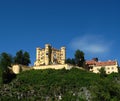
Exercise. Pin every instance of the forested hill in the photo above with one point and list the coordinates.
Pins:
(61, 85)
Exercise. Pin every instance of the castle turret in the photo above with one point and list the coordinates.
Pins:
(63, 55)
(37, 54)
(37, 57)
(47, 54)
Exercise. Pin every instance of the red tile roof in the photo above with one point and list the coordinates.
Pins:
(105, 63)
(91, 62)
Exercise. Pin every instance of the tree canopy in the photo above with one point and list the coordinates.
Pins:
(102, 72)
(79, 57)
(5, 60)
(22, 58)
(71, 61)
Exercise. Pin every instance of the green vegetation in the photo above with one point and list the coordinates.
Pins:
(6, 61)
(22, 58)
(56, 85)
(78, 59)
(102, 72)
(70, 61)
(61, 85)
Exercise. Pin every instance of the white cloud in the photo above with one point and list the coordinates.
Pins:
(94, 44)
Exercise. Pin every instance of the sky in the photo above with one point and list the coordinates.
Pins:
(93, 26)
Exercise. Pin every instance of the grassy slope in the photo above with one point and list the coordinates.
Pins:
(49, 85)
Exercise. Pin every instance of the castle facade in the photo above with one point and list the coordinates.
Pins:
(50, 55)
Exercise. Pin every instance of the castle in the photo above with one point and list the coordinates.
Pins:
(50, 55)
(46, 58)
(51, 58)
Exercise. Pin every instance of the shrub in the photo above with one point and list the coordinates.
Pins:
(102, 72)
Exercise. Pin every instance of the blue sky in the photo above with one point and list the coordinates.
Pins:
(92, 26)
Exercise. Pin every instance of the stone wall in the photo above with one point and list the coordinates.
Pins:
(19, 68)
(58, 66)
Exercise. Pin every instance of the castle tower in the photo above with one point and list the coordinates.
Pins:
(50, 55)
(37, 54)
(63, 55)
(47, 54)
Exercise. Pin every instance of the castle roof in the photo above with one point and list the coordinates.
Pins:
(55, 49)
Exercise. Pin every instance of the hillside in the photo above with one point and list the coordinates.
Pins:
(61, 85)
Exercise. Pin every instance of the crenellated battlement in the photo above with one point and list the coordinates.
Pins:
(50, 55)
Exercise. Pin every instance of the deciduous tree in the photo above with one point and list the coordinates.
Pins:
(79, 58)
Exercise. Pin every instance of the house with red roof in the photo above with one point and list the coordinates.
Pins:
(109, 66)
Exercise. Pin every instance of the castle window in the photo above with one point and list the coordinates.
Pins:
(61, 54)
(42, 54)
(55, 56)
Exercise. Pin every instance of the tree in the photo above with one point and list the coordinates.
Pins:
(22, 58)
(70, 61)
(79, 58)
(5, 62)
(26, 58)
(18, 59)
(102, 72)
(118, 69)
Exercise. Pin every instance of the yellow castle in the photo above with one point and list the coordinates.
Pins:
(50, 55)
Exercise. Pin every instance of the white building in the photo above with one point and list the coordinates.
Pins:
(95, 66)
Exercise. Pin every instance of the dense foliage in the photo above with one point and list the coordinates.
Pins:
(78, 59)
(22, 58)
(5, 63)
(102, 72)
(62, 85)
(70, 61)
(5, 60)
